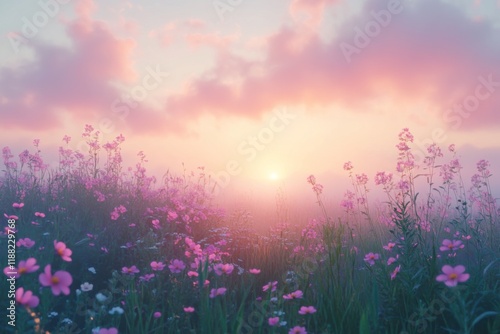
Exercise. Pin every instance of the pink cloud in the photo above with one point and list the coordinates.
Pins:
(428, 51)
(166, 34)
(84, 8)
(74, 81)
(309, 12)
(194, 32)
(195, 23)
(214, 40)
(130, 26)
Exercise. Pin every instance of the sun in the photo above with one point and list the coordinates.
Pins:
(273, 176)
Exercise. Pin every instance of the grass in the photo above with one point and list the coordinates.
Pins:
(372, 269)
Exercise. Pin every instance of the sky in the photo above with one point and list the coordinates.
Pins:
(260, 93)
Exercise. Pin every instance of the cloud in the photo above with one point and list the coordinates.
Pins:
(74, 81)
(166, 34)
(431, 50)
(309, 12)
(214, 40)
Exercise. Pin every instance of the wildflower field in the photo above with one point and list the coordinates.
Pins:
(95, 247)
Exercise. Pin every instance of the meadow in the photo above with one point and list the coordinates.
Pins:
(101, 248)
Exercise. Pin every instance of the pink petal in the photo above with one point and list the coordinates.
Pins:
(56, 291)
(44, 279)
(19, 293)
(448, 269)
(34, 301)
(451, 283)
(27, 296)
(441, 278)
(65, 290)
(64, 277)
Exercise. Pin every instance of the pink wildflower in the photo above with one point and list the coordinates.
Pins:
(172, 215)
(348, 166)
(405, 135)
(62, 250)
(121, 209)
(24, 267)
(390, 246)
(176, 266)
(361, 179)
(395, 272)
(217, 292)
(294, 295)
(27, 299)
(371, 257)
(189, 309)
(130, 271)
(223, 269)
(450, 245)
(381, 178)
(403, 185)
(59, 282)
(297, 330)
(270, 285)
(273, 321)
(482, 166)
(307, 310)
(254, 271)
(146, 278)
(193, 274)
(25, 242)
(155, 223)
(318, 188)
(453, 275)
(157, 266)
